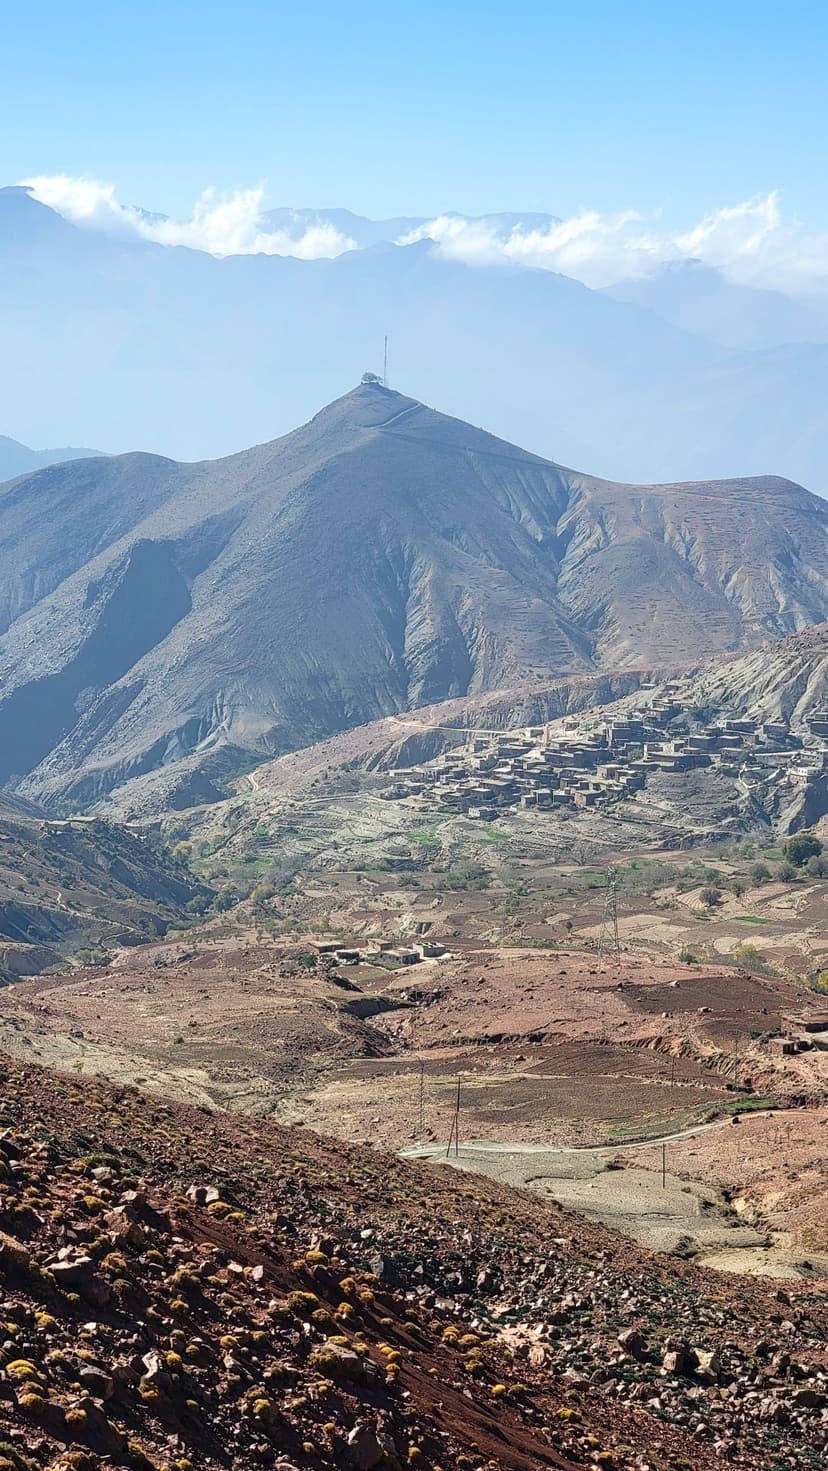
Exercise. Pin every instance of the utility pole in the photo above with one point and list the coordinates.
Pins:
(664, 1166)
(385, 364)
(454, 1136)
(421, 1108)
(609, 922)
(736, 1060)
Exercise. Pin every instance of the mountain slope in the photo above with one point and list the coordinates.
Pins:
(128, 338)
(238, 1293)
(786, 681)
(381, 557)
(69, 886)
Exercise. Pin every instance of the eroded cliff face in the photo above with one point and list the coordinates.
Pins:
(378, 559)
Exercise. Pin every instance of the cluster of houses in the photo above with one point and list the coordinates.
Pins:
(589, 762)
(380, 952)
(802, 1032)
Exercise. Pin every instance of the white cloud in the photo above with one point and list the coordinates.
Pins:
(751, 243)
(230, 224)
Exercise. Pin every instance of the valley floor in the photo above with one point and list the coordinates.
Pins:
(573, 1070)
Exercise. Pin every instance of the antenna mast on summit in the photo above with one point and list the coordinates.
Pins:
(385, 365)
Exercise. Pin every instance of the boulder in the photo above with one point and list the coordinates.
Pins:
(123, 1227)
(364, 1449)
(73, 1272)
(678, 1358)
(632, 1343)
(708, 1363)
(96, 1382)
(13, 1255)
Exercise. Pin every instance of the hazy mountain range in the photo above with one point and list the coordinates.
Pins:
(18, 459)
(382, 557)
(126, 343)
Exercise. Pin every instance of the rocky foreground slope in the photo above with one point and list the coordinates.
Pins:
(382, 557)
(182, 1289)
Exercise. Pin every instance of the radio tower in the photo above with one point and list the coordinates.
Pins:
(609, 923)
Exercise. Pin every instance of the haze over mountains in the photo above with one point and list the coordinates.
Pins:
(381, 557)
(18, 459)
(123, 342)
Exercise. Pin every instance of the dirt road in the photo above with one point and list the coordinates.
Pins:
(672, 1214)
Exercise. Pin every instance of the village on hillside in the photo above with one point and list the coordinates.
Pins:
(585, 762)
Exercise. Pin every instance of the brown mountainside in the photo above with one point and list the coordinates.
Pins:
(380, 558)
(192, 1290)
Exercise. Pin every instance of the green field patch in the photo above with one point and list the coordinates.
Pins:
(494, 835)
(426, 836)
(752, 919)
(746, 1105)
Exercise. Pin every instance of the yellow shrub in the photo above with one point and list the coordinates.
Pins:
(23, 1369)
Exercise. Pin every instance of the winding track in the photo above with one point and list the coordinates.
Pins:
(496, 1146)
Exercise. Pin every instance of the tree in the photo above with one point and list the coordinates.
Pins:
(711, 896)
(786, 873)
(759, 873)
(800, 848)
(817, 866)
(226, 898)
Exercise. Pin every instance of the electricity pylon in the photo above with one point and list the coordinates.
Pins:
(609, 923)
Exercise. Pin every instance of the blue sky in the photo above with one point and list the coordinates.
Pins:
(421, 107)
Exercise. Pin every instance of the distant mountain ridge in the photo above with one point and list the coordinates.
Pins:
(384, 556)
(18, 459)
(698, 299)
(169, 348)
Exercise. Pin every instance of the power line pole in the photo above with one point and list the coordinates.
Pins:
(421, 1109)
(609, 922)
(664, 1166)
(454, 1136)
(385, 364)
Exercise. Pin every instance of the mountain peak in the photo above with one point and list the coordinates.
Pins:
(369, 405)
(381, 557)
(24, 221)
